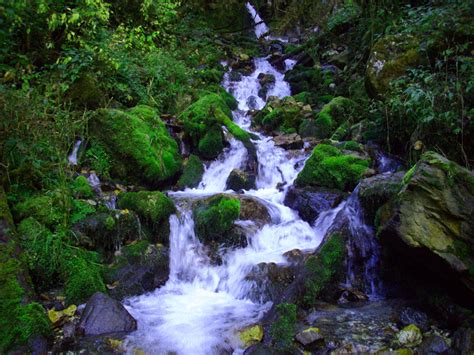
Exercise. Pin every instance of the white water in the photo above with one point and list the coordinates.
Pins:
(72, 158)
(203, 306)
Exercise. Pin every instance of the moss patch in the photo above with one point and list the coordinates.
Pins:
(333, 114)
(192, 174)
(81, 187)
(283, 329)
(322, 267)
(138, 143)
(329, 167)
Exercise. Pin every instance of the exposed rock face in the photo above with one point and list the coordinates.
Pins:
(430, 221)
(240, 180)
(391, 56)
(104, 315)
(377, 190)
(289, 141)
(311, 202)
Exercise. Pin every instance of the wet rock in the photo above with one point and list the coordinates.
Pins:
(253, 209)
(377, 190)
(105, 315)
(289, 141)
(391, 56)
(339, 59)
(412, 316)
(271, 280)
(463, 341)
(251, 335)
(252, 102)
(311, 202)
(430, 223)
(244, 65)
(259, 349)
(409, 336)
(433, 345)
(240, 180)
(141, 267)
(267, 81)
(309, 336)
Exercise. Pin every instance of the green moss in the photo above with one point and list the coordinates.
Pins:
(283, 329)
(351, 145)
(409, 174)
(98, 159)
(153, 207)
(136, 249)
(20, 319)
(138, 143)
(341, 132)
(210, 146)
(215, 218)
(343, 17)
(192, 174)
(328, 167)
(110, 223)
(322, 267)
(80, 210)
(307, 128)
(81, 188)
(82, 275)
(230, 100)
(339, 110)
(45, 208)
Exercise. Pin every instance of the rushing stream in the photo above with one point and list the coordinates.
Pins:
(203, 306)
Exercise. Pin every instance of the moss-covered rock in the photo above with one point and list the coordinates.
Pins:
(141, 267)
(192, 174)
(251, 335)
(203, 122)
(321, 268)
(81, 187)
(240, 180)
(391, 56)
(285, 115)
(329, 167)
(430, 222)
(154, 209)
(47, 208)
(214, 219)
(335, 113)
(138, 143)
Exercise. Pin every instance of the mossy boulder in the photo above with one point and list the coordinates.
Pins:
(430, 222)
(138, 143)
(305, 79)
(192, 173)
(330, 167)
(141, 267)
(391, 56)
(282, 115)
(322, 268)
(203, 122)
(154, 209)
(214, 219)
(334, 114)
(240, 180)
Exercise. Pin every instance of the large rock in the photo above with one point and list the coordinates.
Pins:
(289, 141)
(240, 180)
(377, 190)
(391, 56)
(141, 267)
(311, 202)
(104, 315)
(430, 222)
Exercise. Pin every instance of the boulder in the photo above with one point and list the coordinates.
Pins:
(267, 81)
(289, 141)
(338, 111)
(309, 336)
(391, 56)
(409, 336)
(412, 316)
(240, 180)
(251, 335)
(430, 223)
(192, 172)
(432, 345)
(104, 315)
(377, 190)
(141, 267)
(311, 202)
(137, 143)
(463, 341)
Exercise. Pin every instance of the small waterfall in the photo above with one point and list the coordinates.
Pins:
(260, 27)
(72, 158)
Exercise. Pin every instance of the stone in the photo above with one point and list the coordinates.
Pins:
(429, 222)
(311, 202)
(391, 56)
(104, 315)
(463, 341)
(433, 345)
(251, 335)
(240, 180)
(412, 316)
(309, 336)
(409, 336)
(289, 141)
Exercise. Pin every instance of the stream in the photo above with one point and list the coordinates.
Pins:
(203, 306)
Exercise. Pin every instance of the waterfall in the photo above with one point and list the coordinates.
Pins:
(72, 158)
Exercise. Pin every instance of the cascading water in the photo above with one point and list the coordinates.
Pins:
(202, 306)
